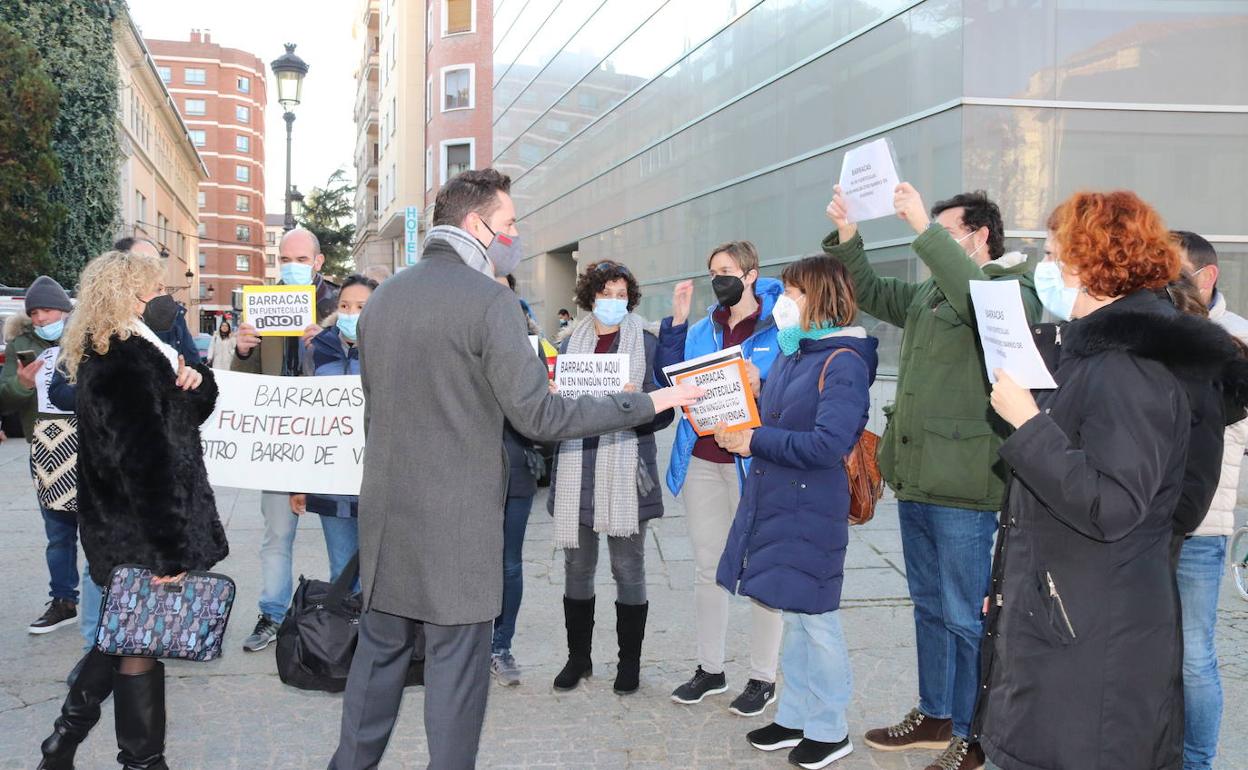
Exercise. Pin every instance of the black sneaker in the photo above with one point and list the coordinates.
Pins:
(754, 698)
(701, 685)
(265, 633)
(60, 612)
(774, 737)
(813, 755)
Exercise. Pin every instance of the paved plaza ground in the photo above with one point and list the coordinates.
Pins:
(235, 713)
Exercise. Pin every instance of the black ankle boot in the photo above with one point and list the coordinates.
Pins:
(630, 630)
(578, 617)
(139, 708)
(81, 710)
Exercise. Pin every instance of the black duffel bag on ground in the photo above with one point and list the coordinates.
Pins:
(316, 641)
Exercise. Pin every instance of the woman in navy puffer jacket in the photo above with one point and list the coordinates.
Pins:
(787, 546)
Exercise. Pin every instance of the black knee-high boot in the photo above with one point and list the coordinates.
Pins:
(630, 630)
(139, 707)
(578, 616)
(81, 710)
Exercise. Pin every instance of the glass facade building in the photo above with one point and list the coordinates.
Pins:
(648, 131)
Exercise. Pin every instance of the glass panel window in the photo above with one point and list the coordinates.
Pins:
(242, 173)
(203, 199)
(244, 85)
(242, 263)
(166, 74)
(242, 114)
(242, 234)
(270, 237)
(270, 259)
(242, 203)
(457, 89)
(242, 143)
(195, 76)
(202, 230)
(198, 137)
(203, 260)
(458, 159)
(196, 107)
(458, 16)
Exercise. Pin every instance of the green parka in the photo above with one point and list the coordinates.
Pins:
(19, 336)
(940, 445)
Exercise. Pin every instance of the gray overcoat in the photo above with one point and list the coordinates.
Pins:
(444, 359)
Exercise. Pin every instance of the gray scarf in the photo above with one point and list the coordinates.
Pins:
(467, 247)
(617, 466)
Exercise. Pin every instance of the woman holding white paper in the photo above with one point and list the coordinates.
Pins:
(787, 546)
(607, 484)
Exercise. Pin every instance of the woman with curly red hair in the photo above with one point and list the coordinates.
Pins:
(1082, 653)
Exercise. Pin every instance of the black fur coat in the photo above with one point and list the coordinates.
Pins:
(143, 491)
(1083, 633)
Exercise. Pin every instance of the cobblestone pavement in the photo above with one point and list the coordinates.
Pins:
(235, 713)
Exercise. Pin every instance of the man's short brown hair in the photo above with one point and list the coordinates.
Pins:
(742, 252)
(468, 192)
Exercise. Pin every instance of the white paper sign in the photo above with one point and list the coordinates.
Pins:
(868, 181)
(1006, 335)
(594, 374)
(43, 378)
(286, 434)
(719, 356)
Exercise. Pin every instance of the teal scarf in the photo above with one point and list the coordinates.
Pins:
(792, 337)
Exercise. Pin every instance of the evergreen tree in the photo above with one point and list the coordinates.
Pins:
(29, 169)
(329, 212)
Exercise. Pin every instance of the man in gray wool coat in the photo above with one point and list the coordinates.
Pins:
(444, 360)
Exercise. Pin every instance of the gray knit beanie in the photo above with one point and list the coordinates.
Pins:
(47, 293)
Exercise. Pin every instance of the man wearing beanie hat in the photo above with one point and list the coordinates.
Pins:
(27, 337)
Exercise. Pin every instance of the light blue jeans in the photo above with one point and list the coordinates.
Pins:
(1201, 563)
(948, 555)
(90, 598)
(276, 549)
(818, 679)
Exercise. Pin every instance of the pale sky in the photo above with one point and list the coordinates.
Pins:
(324, 133)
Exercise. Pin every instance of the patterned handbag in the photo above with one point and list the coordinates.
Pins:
(54, 462)
(184, 620)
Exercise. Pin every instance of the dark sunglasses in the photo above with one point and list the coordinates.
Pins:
(604, 267)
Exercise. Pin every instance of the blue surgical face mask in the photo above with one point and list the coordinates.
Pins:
(348, 325)
(296, 274)
(1055, 295)
(51, 332)
(610, 312)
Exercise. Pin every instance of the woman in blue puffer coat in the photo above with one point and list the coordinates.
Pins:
(334, 352)
(786, 549)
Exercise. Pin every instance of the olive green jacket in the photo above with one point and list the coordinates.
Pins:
(940, 445)
(19, 335)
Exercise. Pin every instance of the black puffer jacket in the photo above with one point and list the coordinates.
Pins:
(1082, 654)
(143, 491)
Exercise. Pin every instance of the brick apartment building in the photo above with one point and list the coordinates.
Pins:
(221, 94)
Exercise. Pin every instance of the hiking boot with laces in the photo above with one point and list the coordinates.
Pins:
(915, 731)
(959, 755)
(754, 698)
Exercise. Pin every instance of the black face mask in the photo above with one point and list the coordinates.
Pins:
(159, 313)
(728, 289)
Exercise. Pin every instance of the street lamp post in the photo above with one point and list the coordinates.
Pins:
(289, 70)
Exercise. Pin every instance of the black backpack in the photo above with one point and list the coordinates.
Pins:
(317, 639)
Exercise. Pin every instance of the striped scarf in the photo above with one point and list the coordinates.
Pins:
(467, 247)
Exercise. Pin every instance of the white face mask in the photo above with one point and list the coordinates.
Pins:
(1055, 295)
(786, 312)
(970, 254)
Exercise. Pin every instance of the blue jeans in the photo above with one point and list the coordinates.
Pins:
(948, 555)
(342, 541)
(89, 608)
(818, 679)
(62, 553)
(515, 520)
(276, 547)
(1199, 576)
